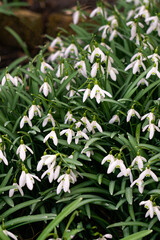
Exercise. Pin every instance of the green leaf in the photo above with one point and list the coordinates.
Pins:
(111, 187)
(64, 213)
(129, 196)
(137, 235)
(7, 177)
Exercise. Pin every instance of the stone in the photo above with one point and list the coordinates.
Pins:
(27, 24)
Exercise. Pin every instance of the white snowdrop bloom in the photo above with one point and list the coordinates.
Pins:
(106, 46)
(60, 70)
(106, 30)
(54, 56)
(64, 182)
(118, 163)
(46, 159)
(142, 11)
(3, 157)
(133, 25)
(46, 88)
(97, 52)
(139, 182)
(45, 66)
(113, 21)
(52, 172)
(86, 94)
(149, 205)
(34, 110)
(80, 134)
(27, 179)
(98, 11)
(13, 190)
(130, 14)
(87, 123)
(9, 78)
(136, 66)
(137, 55)
(17, 79)
(48, 118)
(112, 72)
(21, 150)
(81, 65)
(147, 173)
(76, 15)
(154, 57)
(94, 125)
(149, 115)
(9, 234)
(71, 93)
(139, 161)
(153, 71)
(71, 49)
(68, 85)
(24, 120)
(87, 152)
(53, 136)
(105, 237)
(151, 128)
(156, 210)
(132, 112)
(69, 133)
(98, 93)
(95, 67)
(146, 44)
(155, 24)
(128, 174)
(115, 118)
(143, 81)
(56, 41)
(88, 49)
(69, 118)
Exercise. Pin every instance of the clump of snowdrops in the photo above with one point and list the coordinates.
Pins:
(80, 123)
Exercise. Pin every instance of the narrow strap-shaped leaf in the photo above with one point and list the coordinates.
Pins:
(137, 235)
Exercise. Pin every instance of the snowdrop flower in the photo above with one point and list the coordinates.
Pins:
(130, 14)
(150, 116)
(64, 181)
(57, 41)
(68, 85)
(60, 70)
(71, 49)
(106, 29)
(34, 110)
(81, 65)
(53, 136)
(27, 179)
(143, 81)
(8, 77)
(46, 88)
(87, 92)
(97, 52)
(69, 118)
(98, 11)
(132, 113)
(87, 123)
(112, 72)
(24, 120)
(45, 66)
(109, 158)
(136, 66)
(21, 150)
(133, 25)
(54, 56)
(147, 173)
(151, 128)
(149, 205)
(153, 71)
(118, 163)
(17, 79)
(139, 182)
(3, 157)
(139, 161)
(80, 134)
(87, 152)
(128, 173)
(96, 66)
(156, 210)
(52, 172)
(46, 159)
(17, 188)
(155, 58)
(155, 24)
(143, 11)
(49, 118)
(115, 118)
(105, 237)
(94, 125)
(69, 133)
(8, 233)
(98, 93)
(76, 16)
